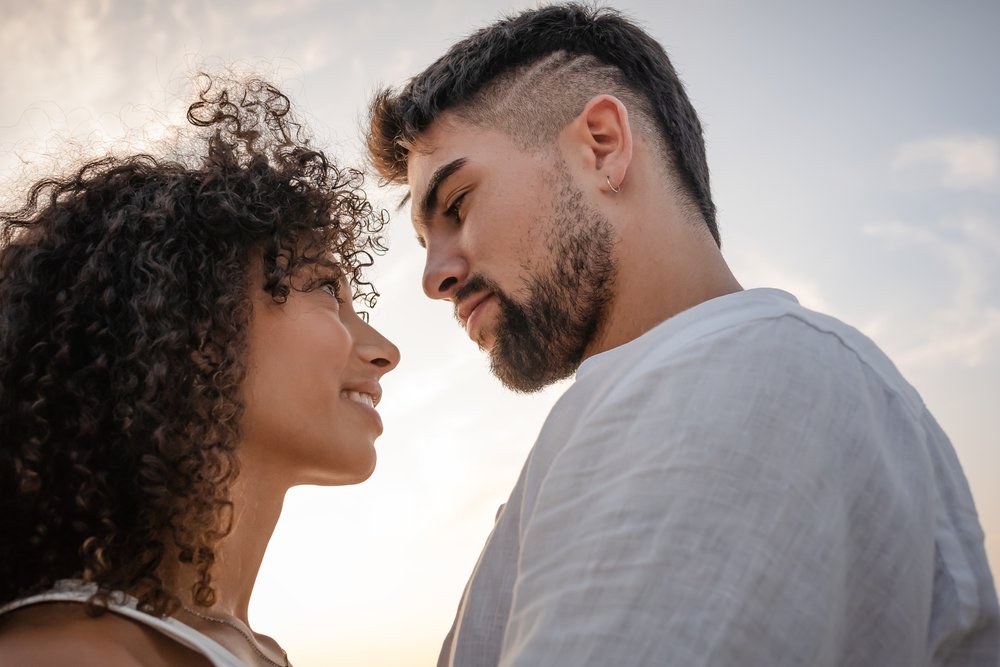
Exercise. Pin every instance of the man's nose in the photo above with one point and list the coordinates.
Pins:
(444, 272)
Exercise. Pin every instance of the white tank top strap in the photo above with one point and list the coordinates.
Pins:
(125, 605)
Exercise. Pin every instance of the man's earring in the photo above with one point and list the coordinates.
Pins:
(613, 188)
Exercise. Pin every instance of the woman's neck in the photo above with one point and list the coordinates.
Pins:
(257, 505)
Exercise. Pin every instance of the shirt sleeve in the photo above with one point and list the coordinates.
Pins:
(717, 511)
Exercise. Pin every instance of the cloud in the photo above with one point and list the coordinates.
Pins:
(966, 328)
(954, 163)
(269, 10)
(970, 346)
(758, 269)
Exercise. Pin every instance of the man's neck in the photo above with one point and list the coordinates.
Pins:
(663, 268)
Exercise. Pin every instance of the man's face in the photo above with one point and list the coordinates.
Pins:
(515, 246)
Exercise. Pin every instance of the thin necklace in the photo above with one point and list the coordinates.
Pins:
(250, 640)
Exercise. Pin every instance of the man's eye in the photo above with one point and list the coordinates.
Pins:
(455, 210)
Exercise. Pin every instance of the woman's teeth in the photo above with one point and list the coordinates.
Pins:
(359, 397)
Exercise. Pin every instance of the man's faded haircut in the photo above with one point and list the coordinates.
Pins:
(530, 74)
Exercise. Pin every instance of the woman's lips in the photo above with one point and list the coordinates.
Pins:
(366, 404)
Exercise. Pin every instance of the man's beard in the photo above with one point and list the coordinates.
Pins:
(543, 339)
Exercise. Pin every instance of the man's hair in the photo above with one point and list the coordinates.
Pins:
(528, 75)
(125, 299)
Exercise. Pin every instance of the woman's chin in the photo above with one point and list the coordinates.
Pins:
(344, 474)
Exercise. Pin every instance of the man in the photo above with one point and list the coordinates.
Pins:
(732, 479)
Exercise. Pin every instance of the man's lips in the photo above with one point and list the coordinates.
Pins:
(465, 308)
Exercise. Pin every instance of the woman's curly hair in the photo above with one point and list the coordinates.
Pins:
(124, 309)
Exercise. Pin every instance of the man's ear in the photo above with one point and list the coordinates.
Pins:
(602, 134)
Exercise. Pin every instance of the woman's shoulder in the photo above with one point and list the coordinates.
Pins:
(61, 633)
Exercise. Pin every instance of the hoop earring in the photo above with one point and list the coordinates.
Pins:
(613, 188)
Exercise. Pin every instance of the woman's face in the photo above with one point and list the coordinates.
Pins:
(312, 383)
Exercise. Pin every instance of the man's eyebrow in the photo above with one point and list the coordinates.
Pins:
(429, 202)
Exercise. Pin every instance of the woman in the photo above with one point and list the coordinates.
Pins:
(178, 347)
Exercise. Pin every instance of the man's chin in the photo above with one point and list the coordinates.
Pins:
(514, 378)
(486, 342)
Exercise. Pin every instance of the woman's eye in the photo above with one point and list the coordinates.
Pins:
(455, 210)
(333, 289)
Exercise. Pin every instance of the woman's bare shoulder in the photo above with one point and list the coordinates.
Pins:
(61, 633)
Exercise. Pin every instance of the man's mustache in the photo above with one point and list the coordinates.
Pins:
(475, 285)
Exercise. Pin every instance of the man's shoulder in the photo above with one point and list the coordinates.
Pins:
(762, 327)
(759, 331)
(770, 356)
(799, 397)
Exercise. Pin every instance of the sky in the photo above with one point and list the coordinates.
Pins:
(855, 156)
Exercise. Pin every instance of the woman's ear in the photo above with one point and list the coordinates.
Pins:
(603, 137)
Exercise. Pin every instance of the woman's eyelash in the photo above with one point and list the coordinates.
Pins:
(333, 289)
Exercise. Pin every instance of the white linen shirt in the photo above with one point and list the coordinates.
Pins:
(749, 483)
